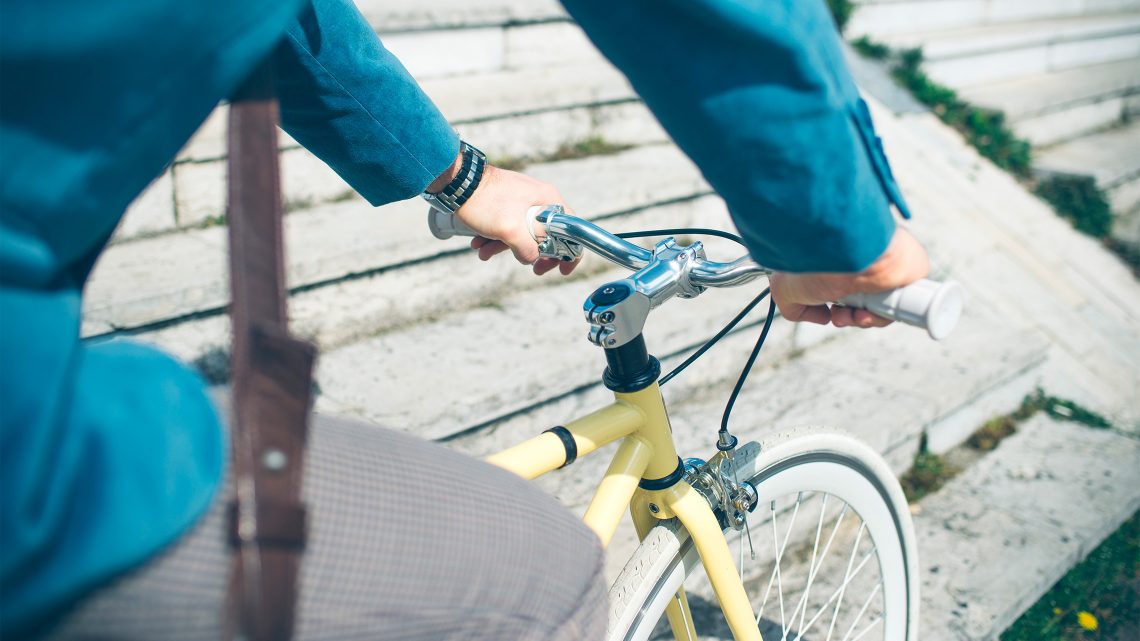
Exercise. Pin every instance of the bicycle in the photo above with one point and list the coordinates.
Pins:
(686, 512)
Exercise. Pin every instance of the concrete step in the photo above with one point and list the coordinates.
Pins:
(511, 114)
(392, 16)
(981, 227)
(991, 542)
(974, 55)
(161, 282)
(1124, 196)
(1056, 106)
(1111, 156)
(879, 18)
(998, 536)
(885, 387)
(471, 99)
(357, 273)
(362, 307)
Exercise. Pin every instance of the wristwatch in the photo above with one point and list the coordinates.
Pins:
(452, 197)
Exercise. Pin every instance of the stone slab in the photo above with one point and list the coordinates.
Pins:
(987, 53)
(524, 113)
(548, 133)
(150, 281)
(365, 305)
(940, 44)
(874, 78)
(1125, 196)
(152, 212)
(1021, 261)
(477, 97)
(1043, 93)
(200, 192)
(548, 46)
(397, 15)
(306, 181)
(451, 52)
(1112, 156)
(999, 535)
(472, 98)
(887, 387)
(881, 18)
(503, 357)
(1058, 126)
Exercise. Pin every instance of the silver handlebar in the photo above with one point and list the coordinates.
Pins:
(566, 229)
(669, 270)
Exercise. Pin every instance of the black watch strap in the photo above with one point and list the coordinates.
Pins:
(459, 190)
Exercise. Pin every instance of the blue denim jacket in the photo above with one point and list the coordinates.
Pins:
(757, 93)
(109, 451)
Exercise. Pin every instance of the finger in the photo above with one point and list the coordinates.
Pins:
(817, 314)
(479, 241)
(842, 316)
(567, 267)
(864, 318)
(544, 265)
(492, 248)
(524, 248)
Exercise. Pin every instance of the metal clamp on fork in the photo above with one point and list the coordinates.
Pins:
(730, 500)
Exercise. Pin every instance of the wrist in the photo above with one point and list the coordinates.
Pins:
(448, 174)
(451, 196)
(903, 262)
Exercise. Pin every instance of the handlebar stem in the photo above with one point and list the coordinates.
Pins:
(668, 271)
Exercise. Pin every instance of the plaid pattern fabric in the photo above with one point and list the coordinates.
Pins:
(409, 541)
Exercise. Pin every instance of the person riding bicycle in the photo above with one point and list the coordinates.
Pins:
(112, 457)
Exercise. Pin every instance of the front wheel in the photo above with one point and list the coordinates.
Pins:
(828, 553)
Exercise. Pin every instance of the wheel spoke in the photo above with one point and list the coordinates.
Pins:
(870, 626)
(843, 588)
(862, 611)
(771, 577)
(820, 595)
(835, 594)
(784, 548)
(779, 558)
(813, 567)
(779, 576)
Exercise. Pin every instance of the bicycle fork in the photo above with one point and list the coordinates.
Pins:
(691, 508)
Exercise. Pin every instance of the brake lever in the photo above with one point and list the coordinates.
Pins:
(552, 246)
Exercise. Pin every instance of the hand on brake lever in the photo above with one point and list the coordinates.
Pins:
(497, 210)
(805, 297)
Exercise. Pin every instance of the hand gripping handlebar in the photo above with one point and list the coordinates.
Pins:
(933, 306)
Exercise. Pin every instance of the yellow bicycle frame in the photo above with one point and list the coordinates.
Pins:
(646, 452)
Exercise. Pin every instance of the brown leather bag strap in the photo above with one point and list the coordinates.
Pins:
(272, 382)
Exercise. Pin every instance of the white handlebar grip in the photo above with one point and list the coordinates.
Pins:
(928, 304)
(444, 225)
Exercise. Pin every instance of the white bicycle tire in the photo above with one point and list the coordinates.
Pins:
(801, 460)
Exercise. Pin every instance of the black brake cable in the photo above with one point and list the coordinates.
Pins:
(713, 341)
(725, 437)
(694, 231)
(747, 367)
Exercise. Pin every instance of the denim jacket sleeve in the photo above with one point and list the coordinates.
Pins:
(349, 100)
(757, 93)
